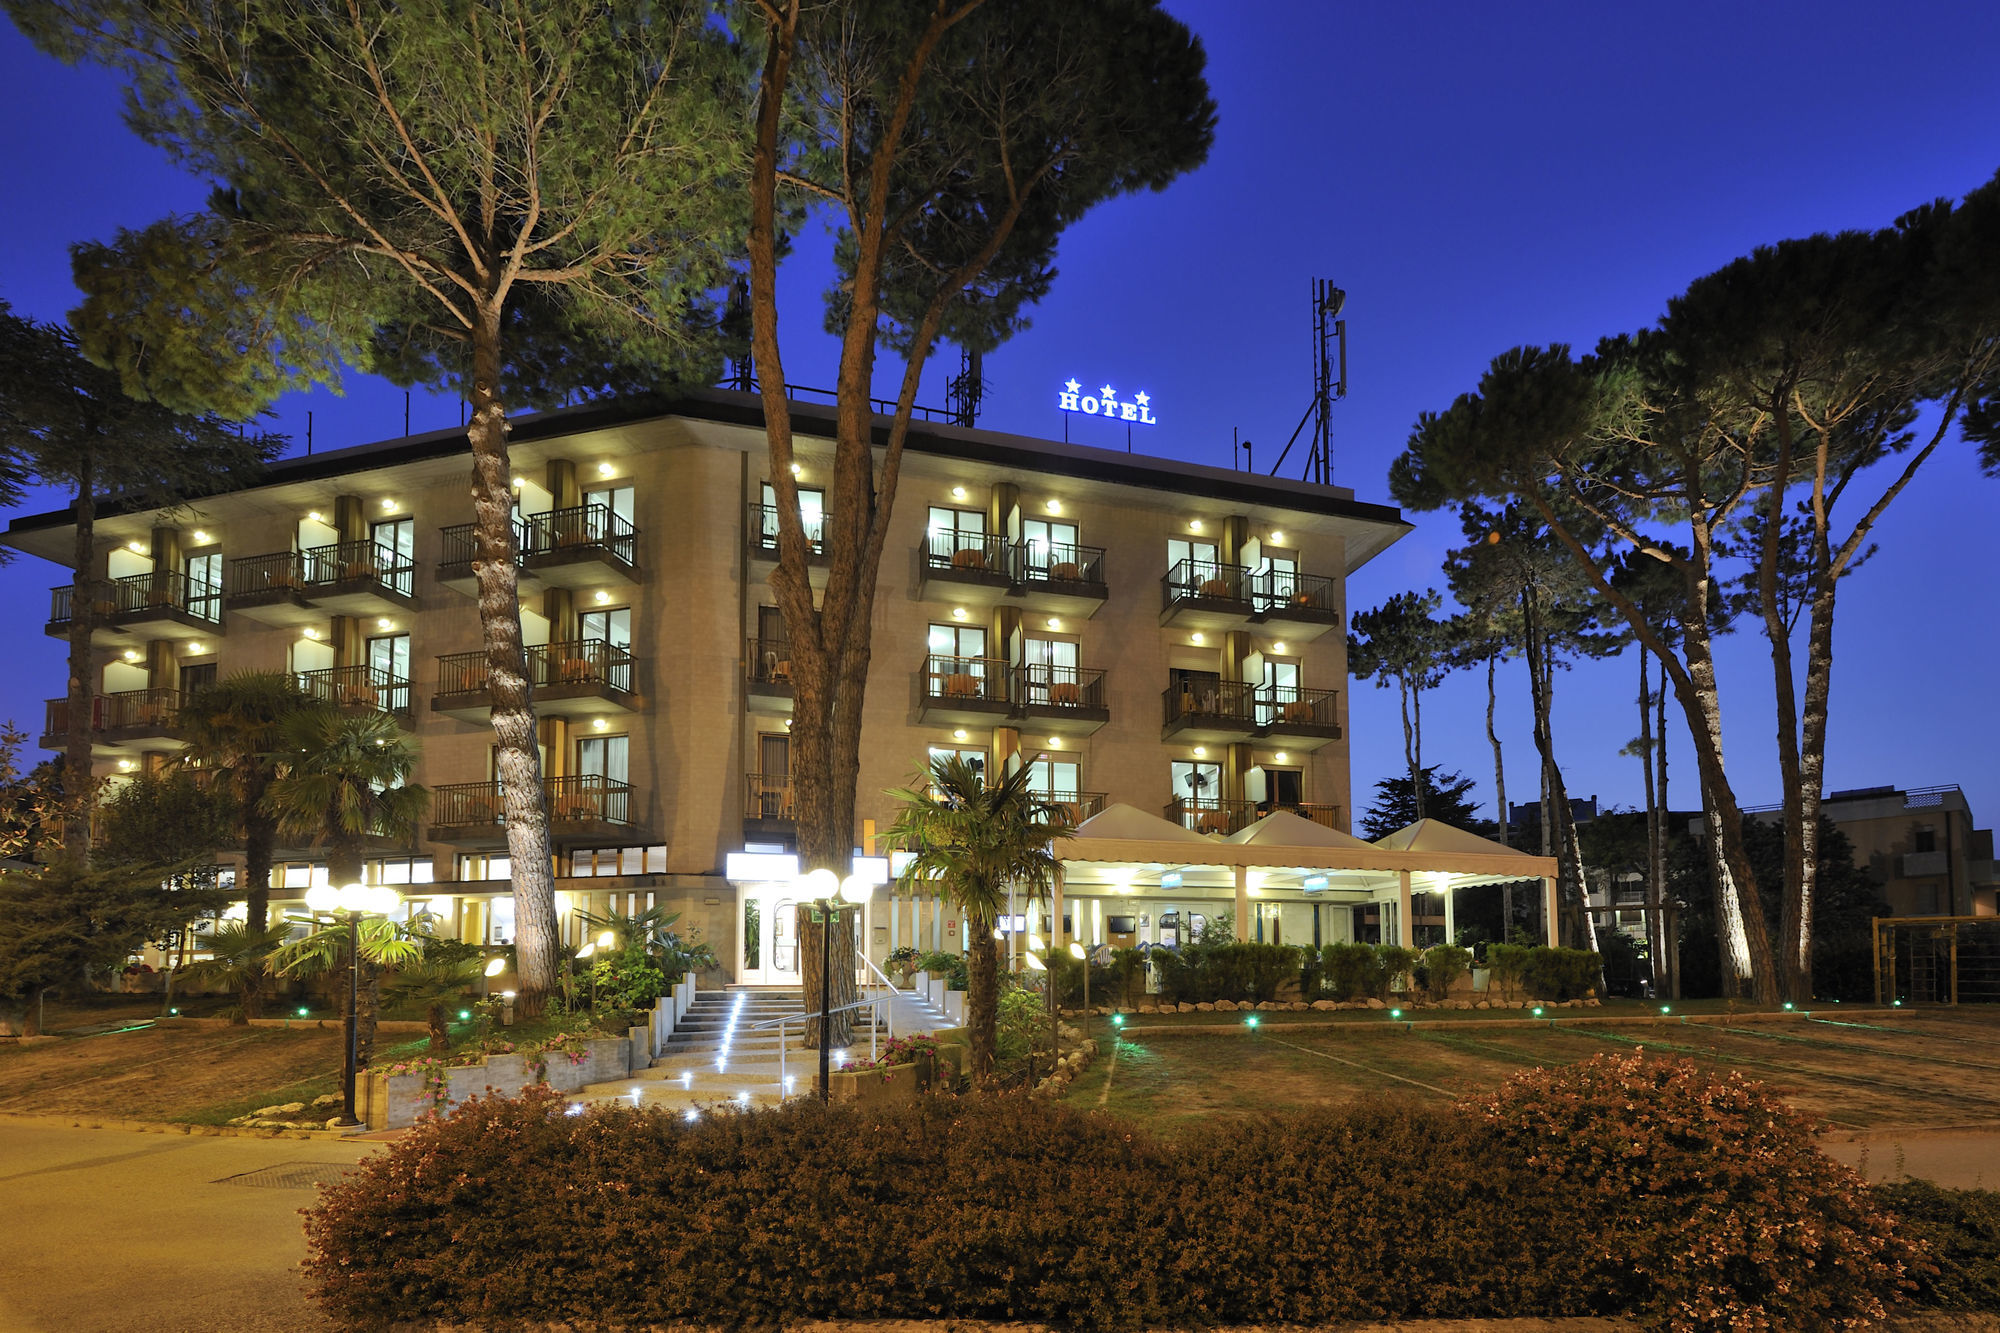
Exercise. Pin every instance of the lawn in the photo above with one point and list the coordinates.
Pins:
(1930, 1068)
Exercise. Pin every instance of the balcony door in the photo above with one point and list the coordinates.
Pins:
(397, 537)
(1057, 781)
(1050, 662)
(771, 790)
(1046, 544)
(1281, 687)
(603, 757)
(1196, 786)
(958, 662)
(812, 511)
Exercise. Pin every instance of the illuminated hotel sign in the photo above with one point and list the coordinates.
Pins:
(1138, 408)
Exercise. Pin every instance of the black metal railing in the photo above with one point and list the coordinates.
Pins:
(769, 661)
(584, 798)
(460, 547)
(1059, 563)
(764, 530)
(1274, 591)
(968, 553)
(138, 593)
(360, 686)
(1327, 816)
(968, 680)
(1075, 806)
(1211, 814)
(113, 712)
(362, 561)
(1042, 685)
(581, 528)
(1228, 701)
(767, 796)
(1295, 705)
(251, 575)
(575, 662)
(1205, 581)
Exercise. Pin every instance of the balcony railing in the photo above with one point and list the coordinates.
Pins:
(116, 712)
(580, 529)
(965, 680)
(1230, 702)
(461, 546)
(970, 554)
(358, 687)
(1042, 685)
(767, 796)
(136, 594)
(1207, 814)
(1327, 816)
(577, 662)
(278, 572)
(1075, 806)
(363, 561)
(1297, 706)
(1275, 593)
(580, 799)
(769, 661)
(764, 530)
(1205, 581)
(1059, 563)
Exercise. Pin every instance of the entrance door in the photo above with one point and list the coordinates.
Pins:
(770, 936)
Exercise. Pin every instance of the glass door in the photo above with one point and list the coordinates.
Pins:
(1051, 671)
(396, 540)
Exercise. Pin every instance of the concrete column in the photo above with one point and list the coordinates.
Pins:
(350, 518)
(1056, 940)
(1549, 910)
(1242, 923)
(1450, 915)
(1403, 909)
(564, 489)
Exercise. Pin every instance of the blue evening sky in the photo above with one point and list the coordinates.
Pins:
(1476, 176)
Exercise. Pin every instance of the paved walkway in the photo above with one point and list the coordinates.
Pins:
(110, 1231)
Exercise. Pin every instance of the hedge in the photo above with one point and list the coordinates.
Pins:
(1619, 1185)
(1241, 970)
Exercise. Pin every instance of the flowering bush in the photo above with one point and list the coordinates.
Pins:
(1702, 1200)
(897, 1051)
(432, 1069)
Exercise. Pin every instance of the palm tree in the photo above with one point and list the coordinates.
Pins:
(435, 985)
(384, 943)
(239, 952)
(234, 728)
(970, 842)
(344, 779)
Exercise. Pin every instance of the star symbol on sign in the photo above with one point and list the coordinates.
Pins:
(1072, 386)
(1108, 393)
(1141, 399)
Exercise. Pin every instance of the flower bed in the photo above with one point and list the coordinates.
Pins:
(1612, 1187)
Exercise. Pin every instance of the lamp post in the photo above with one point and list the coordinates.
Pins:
(828, 891)
(355, 901)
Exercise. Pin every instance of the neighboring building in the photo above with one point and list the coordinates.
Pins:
(1921, 847)
(1134, 629)
(1582, 809)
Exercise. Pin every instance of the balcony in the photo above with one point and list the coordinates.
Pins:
(1059, 579)
(767, 808)
(1304, 719)
(963, 691)
(1920, 865)
(458, 547)
(768, 665)
(364, 689)
(122, 722)
(292, 588)
(1061, 698)
(154, 606)
(761, 533)
(1205, 595)
(1218, 710)
(579, 678)
(584, 546)
(1075, 806)
(970, 568)
(1326, 816)
(1302, 607)
(583, 808)
(1209, 814)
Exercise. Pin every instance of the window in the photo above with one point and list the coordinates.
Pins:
(1051, 674)
(400, 870)
(1200, 553)
(977, 758)
(476, 866)
(604, 757)
(500, 920)
(397, 537)
(957, 538)
(1284, 787)
(1196, 785)
(389, 658)
(613, 625)
(771, 784)
(965, 641)
(605, 861)
(812, 513)
(198, 677)
(1925, 839)
(1053, 779)
(617, 499)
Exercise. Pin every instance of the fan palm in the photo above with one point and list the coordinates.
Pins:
(434, 985)
(970, 842)
(344, 779)
(239, 953)
(233, 728)
(384, 943)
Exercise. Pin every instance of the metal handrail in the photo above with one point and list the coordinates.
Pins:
(785, 1020)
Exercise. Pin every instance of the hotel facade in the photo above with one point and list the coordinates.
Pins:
(1137, 631)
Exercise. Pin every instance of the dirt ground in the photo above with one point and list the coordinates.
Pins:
(1882, 1085)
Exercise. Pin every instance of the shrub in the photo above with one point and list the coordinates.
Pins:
(1561, 974)
(1399, 965)
(1706, 1203)
(950, 966)
(1351, 972)
(1960, 1233)
(1508, 964)
(1232, 971)
(1444, 964)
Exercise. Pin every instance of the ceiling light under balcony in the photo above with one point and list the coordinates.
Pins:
(383, 622)
(200, 536)
(1277, 539)
(1196, 638)
(1054, 623)
(312, 634)
(138, 546)
(598, 724)
(388, 503)
(1201, 752)
(196, 648)
(1055, 742)
(313, 516)
(1055, 506)
(958, 492)
(605, 469)
(1282, 757)
(1278, 647)
(959, 734)
(798, 470)
(603, 597)
(133, 654)
(1194, 525)
(125, 765)
(958, 613)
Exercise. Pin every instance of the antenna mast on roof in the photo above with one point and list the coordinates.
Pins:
(1329, 383)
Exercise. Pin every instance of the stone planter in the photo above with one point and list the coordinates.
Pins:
(954, 1006)
(875, 1087)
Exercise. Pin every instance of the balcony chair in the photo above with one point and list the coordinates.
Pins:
(969, 557)
(573, 671)
(1066, 693)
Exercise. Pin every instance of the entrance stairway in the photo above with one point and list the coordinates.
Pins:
(726, 1050)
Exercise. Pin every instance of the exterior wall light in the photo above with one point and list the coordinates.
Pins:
(605, 469)
(196, 648)
(388, 503)
(200, 536)
(140, 547)
(383, 622)
(959, 734)
(603, 597)
(958, 492)
(133, 654)
(495, 966)
(1194, 525)
(958, 613)
(1055, 506)
(1197, 638)
(1277, 539)
(1277, 647)
(1201, 752)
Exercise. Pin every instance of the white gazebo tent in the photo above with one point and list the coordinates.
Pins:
(1283, 867)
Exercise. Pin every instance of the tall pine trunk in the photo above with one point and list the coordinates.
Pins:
(517, 754)
(1493, 739)
(79, 782)
(1409, 747)
(1572, 920)
(1794, 949)
(260, 839)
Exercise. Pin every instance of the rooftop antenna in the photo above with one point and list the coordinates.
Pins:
(1329, 383)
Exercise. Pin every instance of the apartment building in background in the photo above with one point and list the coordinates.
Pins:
(1920, 845)
(1130, 628)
